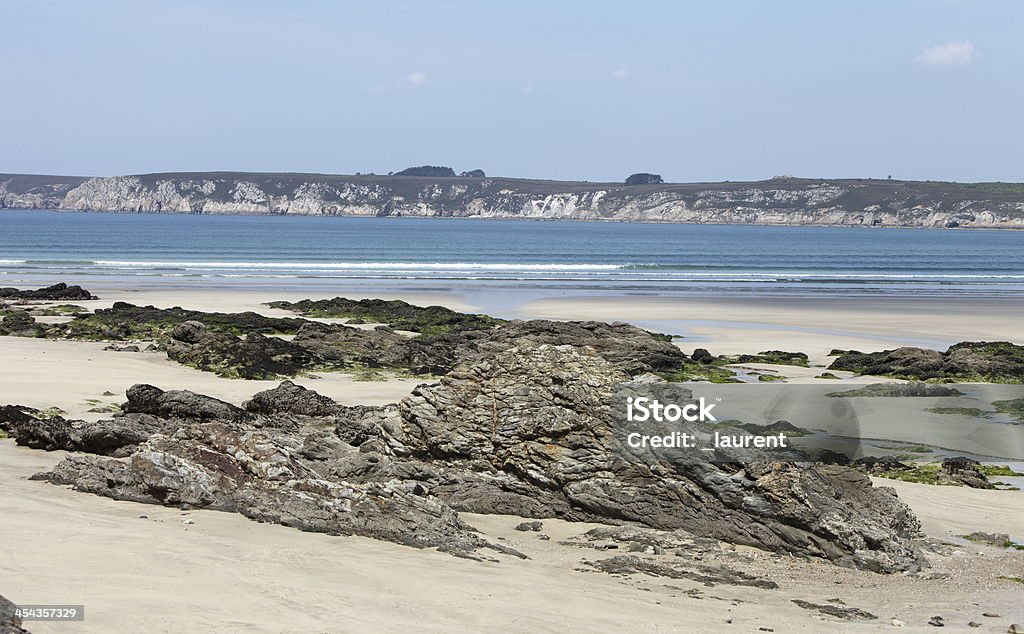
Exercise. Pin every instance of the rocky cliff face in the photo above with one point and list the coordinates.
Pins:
(781, 201)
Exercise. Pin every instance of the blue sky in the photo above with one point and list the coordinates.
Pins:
(726, 90)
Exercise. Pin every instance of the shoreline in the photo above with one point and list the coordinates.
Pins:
(480, 218)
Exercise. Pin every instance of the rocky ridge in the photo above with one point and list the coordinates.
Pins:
(779, 201)
(528, 430)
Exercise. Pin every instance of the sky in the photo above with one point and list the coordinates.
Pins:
(576, 90)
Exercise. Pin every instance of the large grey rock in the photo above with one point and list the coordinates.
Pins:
(215, 466)
(535, 423)
(179, 404)
(289, 398)
(116, 437)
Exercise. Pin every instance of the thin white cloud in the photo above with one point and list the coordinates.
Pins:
(620, 73)
(953, 53)
(529, 88)
(406, 82)
(413, 80)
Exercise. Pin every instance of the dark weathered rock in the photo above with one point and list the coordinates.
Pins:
(11, 416)
(10, 622)
(215, 466)
(342, 346)
(293, 406)
(253, 357)
(18, 322)
(289, 398)
(124, 321)
(530, 526)
(179, 404)
(838, 611)
(998, 361)
(394, 313)
(535, 425)
(631, 349)
(827, 456)
(962, 471)
(115, 437)
(877, 464)
(780, 357)
(701, 355)
(706, 574)
(113, 348)
(57, 292)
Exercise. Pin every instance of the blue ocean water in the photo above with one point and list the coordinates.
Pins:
(146, 250)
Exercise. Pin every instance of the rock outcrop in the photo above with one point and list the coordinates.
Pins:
(180, 405)
(531, 430)
(10, 622)
(779, 201)
(254, 356)
(246, 345)
(217, 466)
(57, 292)
(997, 361)
(50, 432)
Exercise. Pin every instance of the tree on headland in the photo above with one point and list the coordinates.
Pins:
(643, 178)
(427, 170)
(474, 174)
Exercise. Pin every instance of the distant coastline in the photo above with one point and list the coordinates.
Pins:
(783, 201)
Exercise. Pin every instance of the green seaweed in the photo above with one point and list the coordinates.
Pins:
(426, 320)
(998, 470)
(690, 372)
(897, 389)
(125, 321)
(1014, 408)
(970, 412)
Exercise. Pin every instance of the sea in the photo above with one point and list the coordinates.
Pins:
(321, 253)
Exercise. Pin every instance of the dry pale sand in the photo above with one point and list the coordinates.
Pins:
(223, 573)
(950, 511)
(44, 373)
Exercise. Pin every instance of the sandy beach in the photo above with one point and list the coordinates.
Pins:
(225, 573)
(141, 567)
